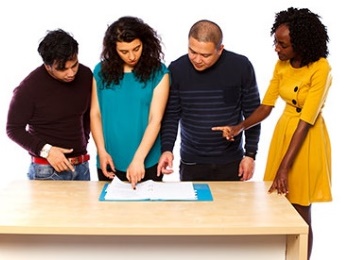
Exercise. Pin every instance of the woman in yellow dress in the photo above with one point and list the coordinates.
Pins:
(299, 158)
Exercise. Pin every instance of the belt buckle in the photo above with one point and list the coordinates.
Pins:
(74, 160)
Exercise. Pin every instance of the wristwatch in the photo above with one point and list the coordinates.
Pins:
(45, 150)
(250, 154)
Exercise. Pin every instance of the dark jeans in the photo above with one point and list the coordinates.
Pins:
(191, 171)
(150, 174)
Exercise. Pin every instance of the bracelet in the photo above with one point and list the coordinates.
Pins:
(250, 154)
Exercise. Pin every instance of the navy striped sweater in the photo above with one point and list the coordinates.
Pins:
(221, 95)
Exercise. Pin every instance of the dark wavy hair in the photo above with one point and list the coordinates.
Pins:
(308, 35)
(127, 29)
(58, 46)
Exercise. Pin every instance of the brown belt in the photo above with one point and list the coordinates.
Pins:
(73, 160)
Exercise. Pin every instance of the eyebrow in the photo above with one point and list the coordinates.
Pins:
(64, 68)
(132, 48)
(204, 54)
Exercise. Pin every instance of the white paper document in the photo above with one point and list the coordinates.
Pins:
(150, 190)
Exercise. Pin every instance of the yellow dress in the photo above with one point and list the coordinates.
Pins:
(304, 91)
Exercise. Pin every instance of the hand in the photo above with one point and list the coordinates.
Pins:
(165, 164)
(135, 172)
(228, 132)
(280, 183)
(107, 165)
(246, 168)
(58, 160)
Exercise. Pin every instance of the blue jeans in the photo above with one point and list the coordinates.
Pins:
(47, 172)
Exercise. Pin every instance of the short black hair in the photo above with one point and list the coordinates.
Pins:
(58, 47)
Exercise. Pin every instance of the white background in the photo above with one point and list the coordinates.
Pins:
(246, 26)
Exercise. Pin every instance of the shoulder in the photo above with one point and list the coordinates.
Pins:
(35, 82)
(235, 57)
(319, 69)
(163, 68)
(159, 73)
(84, 69)
(322, 63)
(97, 67)
(179, 62)
(35, 76)
(96, 70)
(236, 62)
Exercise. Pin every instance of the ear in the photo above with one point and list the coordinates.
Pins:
(48, 67)
(221, 48)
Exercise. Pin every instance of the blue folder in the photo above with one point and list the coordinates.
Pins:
(203, 193)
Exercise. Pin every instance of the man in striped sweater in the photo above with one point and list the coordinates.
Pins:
(210, 87)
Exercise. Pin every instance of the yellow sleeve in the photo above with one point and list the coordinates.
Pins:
(272, 91)
(320, 83)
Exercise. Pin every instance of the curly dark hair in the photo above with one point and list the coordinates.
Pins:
(127, 29)
(308, 36)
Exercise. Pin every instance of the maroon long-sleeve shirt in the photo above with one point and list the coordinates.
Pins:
(45, 110)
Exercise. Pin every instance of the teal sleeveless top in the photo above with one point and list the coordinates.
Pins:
(124, 110)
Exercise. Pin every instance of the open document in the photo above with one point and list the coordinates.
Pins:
(151, 190)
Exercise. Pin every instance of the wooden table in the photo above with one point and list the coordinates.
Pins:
(67, 215)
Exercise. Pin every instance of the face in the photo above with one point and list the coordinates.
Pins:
(130, 53)
(283, 46)
(203, 54)
(67, 74)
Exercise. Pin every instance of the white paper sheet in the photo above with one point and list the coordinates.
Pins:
(150, 190)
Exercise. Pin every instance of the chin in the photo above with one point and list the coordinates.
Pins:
(200, 68)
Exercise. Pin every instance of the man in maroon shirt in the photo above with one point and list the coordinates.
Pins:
(49, 112)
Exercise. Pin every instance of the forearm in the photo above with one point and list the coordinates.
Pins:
(97, 133)
(22, 137)
(148, 139)
(252, 136)
(169, 125)
(262, 112)
(19, 114)
(95, 121)
(86, 125)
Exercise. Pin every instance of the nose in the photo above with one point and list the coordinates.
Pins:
(71, 72)
(277, 47)
(131, 55)
(197, 58)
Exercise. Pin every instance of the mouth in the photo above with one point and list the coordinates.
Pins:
(280, 56)
(198, 66)
(69, 79)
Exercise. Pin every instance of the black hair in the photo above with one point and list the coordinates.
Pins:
(127, 29)
(58, 47)
(308, 35)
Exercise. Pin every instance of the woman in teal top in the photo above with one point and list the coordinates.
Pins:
(129, 96)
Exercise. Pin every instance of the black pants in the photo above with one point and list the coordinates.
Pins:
(191, 171)
(150, 174)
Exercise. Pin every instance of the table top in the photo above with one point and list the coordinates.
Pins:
(73, 208)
